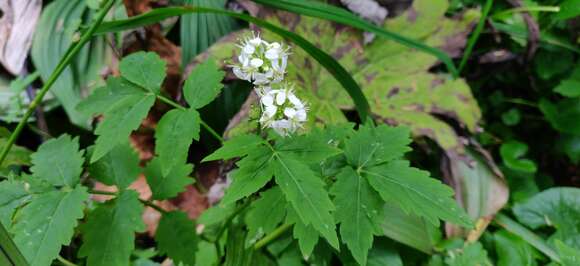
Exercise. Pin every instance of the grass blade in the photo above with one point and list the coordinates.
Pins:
(475, 35)
(9, 253)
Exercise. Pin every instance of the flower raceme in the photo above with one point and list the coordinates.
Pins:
(282, 110)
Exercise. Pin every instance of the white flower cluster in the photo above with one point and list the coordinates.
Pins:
(264, 64)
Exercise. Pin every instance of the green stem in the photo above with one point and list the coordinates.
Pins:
(64, 62)
(272, 236)
(230, 218)
(64, 261)
(475, 35)
(527, 9)
(145, 202)
(521, 102)
(203, 123)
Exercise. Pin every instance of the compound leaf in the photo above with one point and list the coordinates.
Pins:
(58, 161)
(176, 236)
(371, 146)
(165, 186)
(174, 134)
(120, 167)
(203, 84)
(145, 69)
(236, 147)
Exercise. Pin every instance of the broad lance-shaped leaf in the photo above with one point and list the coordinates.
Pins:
(203, 84)
(414, 191)
(174, 134)
(109, 234)
(253, 173)
(305, 191)
(120, 167)
(47, 223)
(145, 69)
(165, 186)
(12, 195)
(236, 147)
(176, 236)
(58, 161)
(358, 210)
(265, 214)
(120, 122)
(374, 145)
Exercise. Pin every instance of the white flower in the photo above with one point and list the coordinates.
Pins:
(261, 62)
(282, 110)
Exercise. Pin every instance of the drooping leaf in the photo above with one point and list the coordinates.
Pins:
(173, 136)
(59, 161)
(358, 210)
(145, 69)
(12, 195)
(265, 214)
(305, 192)
(203, 84)
(109, 234)
(415, 192)
(512, 250)
(373, 146)
(236, 147)
(120, 167)
(47, 223)
(176, 236)
(165, 186)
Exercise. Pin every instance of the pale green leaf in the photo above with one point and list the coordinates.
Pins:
(165, 186)
(119, 167)
(374, 145)
(236, 147)
(12, 195)
(145, 69)
(47, 223)
(109, 234)
(175, 132)
(203, 84)
(58, 161)
(415, 192)
(305, 192)
(265, 214)
(176, 237)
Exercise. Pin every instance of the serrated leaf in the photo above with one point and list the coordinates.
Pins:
(358, 210)
(371, 146)
(253, 173)
(12, 195)
(120, 122)
(176, 236)
(306, 235)
(216, 214)
(305, 191)
(236, 147)
(311, 146)
(145, 69)
(104, 99)
(165, 186)
(203, 84)
(265, 214)
(47, 223)
(119, 167)
(58, 161)
(175, 132)
(415, 192)
(109, 234)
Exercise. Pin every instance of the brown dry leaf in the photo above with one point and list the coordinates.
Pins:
(16, 30)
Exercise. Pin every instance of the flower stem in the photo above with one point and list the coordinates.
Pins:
(272, 236)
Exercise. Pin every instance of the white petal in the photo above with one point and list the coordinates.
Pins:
(301, 115)
(270, 110)
(295, 101)
(255, 41)
(290, 112)
(280, 97)
(240, 74)
(249, 49)
(256, 62)
(267, 100)
(272, 54)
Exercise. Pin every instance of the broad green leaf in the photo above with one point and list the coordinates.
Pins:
(120, 122)
(59, 161)
(206, 254)
(371, 146)
(512, 250)
(119, 167)
(110, 97)
(415, 192)
(358, 210)
(203, 84)
(109, 234)
(165, 186)
(265, 214)
(47, 223)
(471, 254)
(236, 147)
(569, 9)
(176, 237)
(563, 115)
(306, 235)
(305, 192)
(557, 207)
(312, 146)
(253, 173)
(511, 153)
(570, 256)
(12, 195)
(145, 69)
(173, 136)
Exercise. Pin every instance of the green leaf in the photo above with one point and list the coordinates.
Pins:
(12, 195)
(415, 192)
(372, 146)
(570, 87)
(312, 146)
(109, 234)
(120, 167)
(175, 132)
(176, 236)
(236, 147)
(18, 155)
(306, 235)
(570, 256)
(512, 250)
(253, 173)
(216, 214)
(384, 253)
(47, 223)
(110, 97)
(145, 69)
(203, 84)
(511, 153)
(166, 186)
(120, 122)
(512, 117)
(206, 254)
(555, 207)
(471, 254)
(358, 210)
(305, 191)
(550, 64)
(568, 9)
(265, 214)
(570, 144)
(59, 161)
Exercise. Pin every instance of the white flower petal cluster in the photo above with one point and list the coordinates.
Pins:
(282, 110)
(261, 62)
